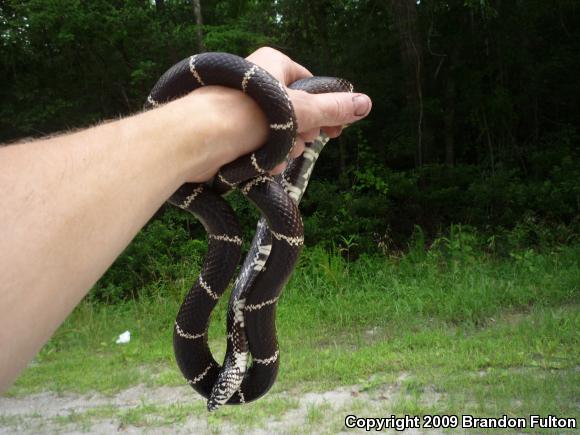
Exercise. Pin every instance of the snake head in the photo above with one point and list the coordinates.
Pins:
(229, 380)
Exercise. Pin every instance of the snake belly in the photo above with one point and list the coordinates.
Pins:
(224, 237)
(243, 322)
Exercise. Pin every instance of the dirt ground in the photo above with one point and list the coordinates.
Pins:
(50, 412)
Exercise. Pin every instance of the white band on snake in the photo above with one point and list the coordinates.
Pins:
(275, 247)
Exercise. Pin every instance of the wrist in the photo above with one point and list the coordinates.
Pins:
(209, 128)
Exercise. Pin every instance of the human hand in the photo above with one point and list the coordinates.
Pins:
(230, 124)
(326, 112)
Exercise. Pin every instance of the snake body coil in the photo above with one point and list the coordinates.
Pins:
(275, 248)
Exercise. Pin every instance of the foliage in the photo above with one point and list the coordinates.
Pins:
(167, 249)
(449, 302)
(474, 121)
(537, 208)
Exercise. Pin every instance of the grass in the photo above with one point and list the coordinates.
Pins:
(438, 331)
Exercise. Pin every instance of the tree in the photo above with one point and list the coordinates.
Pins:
(199, 25)
(406, 21)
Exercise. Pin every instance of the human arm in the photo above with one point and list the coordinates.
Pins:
(70, 204)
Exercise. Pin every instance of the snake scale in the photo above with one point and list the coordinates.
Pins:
(276, 245)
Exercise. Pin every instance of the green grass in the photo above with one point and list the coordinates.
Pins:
(432, 332)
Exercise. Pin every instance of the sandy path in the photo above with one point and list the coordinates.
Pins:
(48, 412)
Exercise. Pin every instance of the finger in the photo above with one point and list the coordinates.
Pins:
(294, 72)
(298, 149)
(331, 109)
(279, 65)
(278, 169)
(310, 135)
(332, 132)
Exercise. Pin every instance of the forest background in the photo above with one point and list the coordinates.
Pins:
(474, 125)
(441, 273)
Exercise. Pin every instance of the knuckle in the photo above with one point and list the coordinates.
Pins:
(337, 111)
(311, 135)
(269, 51)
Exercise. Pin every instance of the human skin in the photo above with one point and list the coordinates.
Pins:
(70, 204)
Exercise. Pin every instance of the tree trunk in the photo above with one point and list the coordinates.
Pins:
(160, 5)
(405, 17)
(199, 25)
(449, 116)
(449, 122)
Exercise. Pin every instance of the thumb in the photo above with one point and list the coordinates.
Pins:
(328, 110)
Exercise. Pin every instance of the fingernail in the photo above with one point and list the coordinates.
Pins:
(362, 104)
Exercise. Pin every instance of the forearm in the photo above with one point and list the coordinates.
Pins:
(69, 206)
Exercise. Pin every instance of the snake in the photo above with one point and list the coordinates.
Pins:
(275, 248)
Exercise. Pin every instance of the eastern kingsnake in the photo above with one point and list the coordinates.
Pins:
(275, 247)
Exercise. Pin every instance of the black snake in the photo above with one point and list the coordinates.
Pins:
(276, 245)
